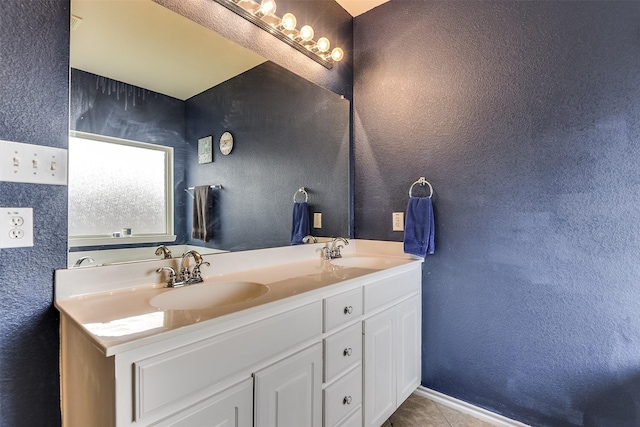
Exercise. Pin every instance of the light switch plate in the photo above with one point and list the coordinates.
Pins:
(16, 227)
(34, 164)
(398, 221)
(317, 220)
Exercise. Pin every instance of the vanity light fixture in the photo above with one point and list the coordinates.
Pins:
(262, 14)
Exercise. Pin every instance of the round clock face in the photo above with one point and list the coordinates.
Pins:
(226, 143)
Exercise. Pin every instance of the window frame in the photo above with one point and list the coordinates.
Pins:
(106, 240)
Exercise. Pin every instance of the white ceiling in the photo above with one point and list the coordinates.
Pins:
(358, 7)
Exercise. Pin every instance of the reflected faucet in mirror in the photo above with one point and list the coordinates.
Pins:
(89, 260)
(164, 251)
(309, 238)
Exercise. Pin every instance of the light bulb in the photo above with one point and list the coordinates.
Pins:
(323, 44)
(306, 33)
(267, 7)
(337, 54)
(289, 21)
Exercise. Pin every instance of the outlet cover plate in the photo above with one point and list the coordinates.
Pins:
(317, 220)
(9, 218)
(398, 221)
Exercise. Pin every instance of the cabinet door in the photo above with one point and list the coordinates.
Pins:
(379, 368)
(289, 393)
(230, 408)
(408, 347)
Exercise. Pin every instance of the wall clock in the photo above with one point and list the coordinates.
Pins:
(226, 143)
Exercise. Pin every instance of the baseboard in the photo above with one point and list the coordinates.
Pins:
(467, 408)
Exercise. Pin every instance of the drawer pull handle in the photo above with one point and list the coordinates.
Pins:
(347, 352)
(348, 310)
(346, 400)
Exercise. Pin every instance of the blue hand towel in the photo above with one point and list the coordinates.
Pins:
(419, 229)
(300, 223)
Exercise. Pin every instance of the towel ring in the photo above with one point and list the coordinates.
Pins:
(303, 191)
(422, 182)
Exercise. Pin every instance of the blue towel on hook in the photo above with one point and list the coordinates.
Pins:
(300, 223)
(419, 229)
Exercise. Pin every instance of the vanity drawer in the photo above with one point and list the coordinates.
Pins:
(166, 378)
(353, 420)
(341, 308)
(342, 397)
(342, 350)
(386, 291)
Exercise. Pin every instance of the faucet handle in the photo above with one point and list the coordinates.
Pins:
(195, 274)
(171, 276)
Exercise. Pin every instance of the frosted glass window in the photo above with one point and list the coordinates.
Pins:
(115, 184)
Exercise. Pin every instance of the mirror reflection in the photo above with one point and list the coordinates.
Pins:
(287, 133)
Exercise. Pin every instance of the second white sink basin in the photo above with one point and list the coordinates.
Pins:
(207, 295)
(371, 263)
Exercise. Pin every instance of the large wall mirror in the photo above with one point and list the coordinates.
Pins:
(144, 75)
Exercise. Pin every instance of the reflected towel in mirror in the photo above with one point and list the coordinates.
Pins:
(300, 223)
(202, 211)
(419, 229)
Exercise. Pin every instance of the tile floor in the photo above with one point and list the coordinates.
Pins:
(418, 411)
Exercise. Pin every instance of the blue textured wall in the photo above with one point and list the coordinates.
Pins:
(34, 52)
(525, 118)
(288, 133)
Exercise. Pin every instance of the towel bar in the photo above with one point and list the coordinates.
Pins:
(214, 186)
(422, 182)
(303, 191)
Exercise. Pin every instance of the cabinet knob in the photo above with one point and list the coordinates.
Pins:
(347, 352)
(348, 310)
(346, 400)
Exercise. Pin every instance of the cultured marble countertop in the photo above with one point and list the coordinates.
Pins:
(114, 318)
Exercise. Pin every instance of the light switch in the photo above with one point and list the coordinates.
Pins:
(30, 163)
(317, 220)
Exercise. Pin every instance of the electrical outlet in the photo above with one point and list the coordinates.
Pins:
(317, 220)
(16, 233)
(16, 227)
(398, 221)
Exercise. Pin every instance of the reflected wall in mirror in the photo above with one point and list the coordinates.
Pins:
(288, 133)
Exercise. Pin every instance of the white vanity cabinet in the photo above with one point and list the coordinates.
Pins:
(288, 393)
(345, 355)
(232, 407)
(391, 346)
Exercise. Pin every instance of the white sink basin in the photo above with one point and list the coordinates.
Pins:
(371, 263)
(208, 295)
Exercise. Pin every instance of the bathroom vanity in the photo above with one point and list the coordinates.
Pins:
(295, 341)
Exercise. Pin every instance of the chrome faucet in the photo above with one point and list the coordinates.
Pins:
(164, 251)
(89, 259)
(308, 238)
(335, 249)
(187, 277)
